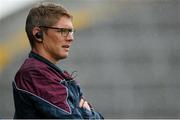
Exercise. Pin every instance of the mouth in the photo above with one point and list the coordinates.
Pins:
(66, 47)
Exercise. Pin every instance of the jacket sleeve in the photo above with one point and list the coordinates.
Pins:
(49, 98)
(50, 111)
(86, 114)
(91, 114)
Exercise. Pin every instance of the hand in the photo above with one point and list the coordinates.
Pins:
(84, 104)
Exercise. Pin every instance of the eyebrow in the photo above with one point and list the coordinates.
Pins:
(55, 27)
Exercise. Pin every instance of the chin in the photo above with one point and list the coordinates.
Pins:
(63, 56)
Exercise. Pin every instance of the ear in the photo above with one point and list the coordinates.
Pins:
(35, 30)
(37, 33)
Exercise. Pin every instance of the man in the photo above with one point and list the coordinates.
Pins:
(40, 88)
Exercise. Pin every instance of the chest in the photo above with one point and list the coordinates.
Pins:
(74, 92)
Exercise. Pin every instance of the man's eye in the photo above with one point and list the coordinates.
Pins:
(63, 30)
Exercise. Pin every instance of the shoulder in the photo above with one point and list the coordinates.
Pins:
(36, 77)
(33, 71)
(30, 67)
(32, 63)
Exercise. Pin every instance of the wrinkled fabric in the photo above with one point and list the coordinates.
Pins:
(42, 90)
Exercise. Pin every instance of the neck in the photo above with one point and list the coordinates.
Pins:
(44, 54)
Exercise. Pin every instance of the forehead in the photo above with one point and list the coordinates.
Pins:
(64, 22)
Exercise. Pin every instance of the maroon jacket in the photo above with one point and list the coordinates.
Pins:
(42, 90)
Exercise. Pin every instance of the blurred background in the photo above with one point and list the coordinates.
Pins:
(126, 52)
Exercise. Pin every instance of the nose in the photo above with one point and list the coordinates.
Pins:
(70, 36)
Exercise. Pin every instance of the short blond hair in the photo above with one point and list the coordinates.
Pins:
(45, 14)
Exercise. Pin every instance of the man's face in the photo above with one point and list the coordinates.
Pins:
(55, 43)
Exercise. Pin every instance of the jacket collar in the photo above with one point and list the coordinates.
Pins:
(65, 74)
